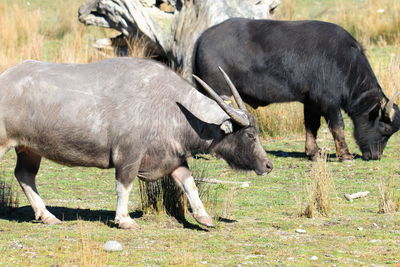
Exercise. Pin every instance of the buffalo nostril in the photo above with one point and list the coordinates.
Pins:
(269, 166)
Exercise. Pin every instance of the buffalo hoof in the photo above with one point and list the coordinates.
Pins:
(346, 157)
(51, 220)
(204, 220)
(316, 157)
(129, 225)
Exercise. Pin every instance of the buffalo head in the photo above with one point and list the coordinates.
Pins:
(375, 128)
(240, 145)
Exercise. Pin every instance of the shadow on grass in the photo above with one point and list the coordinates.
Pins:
(284, 154)
(225, 220)
(26, 214)
(188, 225)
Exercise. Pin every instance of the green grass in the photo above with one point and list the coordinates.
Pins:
(266, 214)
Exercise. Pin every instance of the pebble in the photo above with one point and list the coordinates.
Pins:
(245, 185)
(301, 231)
(314, 258)
(360, 228)
(112, 246)
(373, 241)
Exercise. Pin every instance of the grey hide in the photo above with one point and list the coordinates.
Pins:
(132, 114)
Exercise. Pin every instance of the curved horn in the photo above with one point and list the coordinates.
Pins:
(235, 92)
(239, 118)
(388, 109)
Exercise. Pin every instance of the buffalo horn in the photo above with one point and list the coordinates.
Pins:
(239, 118)
(235, 92)
(388, 110)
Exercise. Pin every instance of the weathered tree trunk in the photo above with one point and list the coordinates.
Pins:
(173, 26)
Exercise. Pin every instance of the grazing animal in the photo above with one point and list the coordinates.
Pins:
(313, 62)
(134, 115)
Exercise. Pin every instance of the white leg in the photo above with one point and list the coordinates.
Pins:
(27, 166)
(37, 203)
(122, 217)
(185, 181)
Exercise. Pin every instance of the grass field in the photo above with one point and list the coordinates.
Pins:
(259, 222)
(262, 231)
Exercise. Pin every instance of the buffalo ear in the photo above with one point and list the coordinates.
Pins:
(226, 127)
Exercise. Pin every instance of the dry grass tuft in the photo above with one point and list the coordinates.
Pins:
(280, 119)
(388, 203)
(389, 73)
(374, 20)
(227, 210)
(91, 253)
(318, 190)
(85, 252)
(8, 198)
(32, 33)
(140, 47)
(162, 196)
(19, 34)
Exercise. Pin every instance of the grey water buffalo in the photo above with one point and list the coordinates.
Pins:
(134, 115)
(316, 63)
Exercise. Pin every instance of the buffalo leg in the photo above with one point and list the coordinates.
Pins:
(336, 126)
(184, 179)
(124, 182)
(312, 122)
(28, 164)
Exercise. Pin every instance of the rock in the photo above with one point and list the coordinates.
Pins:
(314, 258)
(245, 185)
(373, 241)
(112, 245)
(360, 228)
(301, 231)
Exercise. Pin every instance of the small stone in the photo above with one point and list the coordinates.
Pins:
(373, 241)
(376, 225)
(112, 245)
(360, 228)
(301, 231)
(245, 185)
(314, 258)
(16, 245)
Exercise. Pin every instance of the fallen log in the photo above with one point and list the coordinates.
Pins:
(350, 197)
(172, 26)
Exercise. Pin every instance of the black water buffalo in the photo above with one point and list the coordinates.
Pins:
(313, 62)
(134, 115)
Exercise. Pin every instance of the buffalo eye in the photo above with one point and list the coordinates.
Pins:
(251, 136)
(385, 129)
